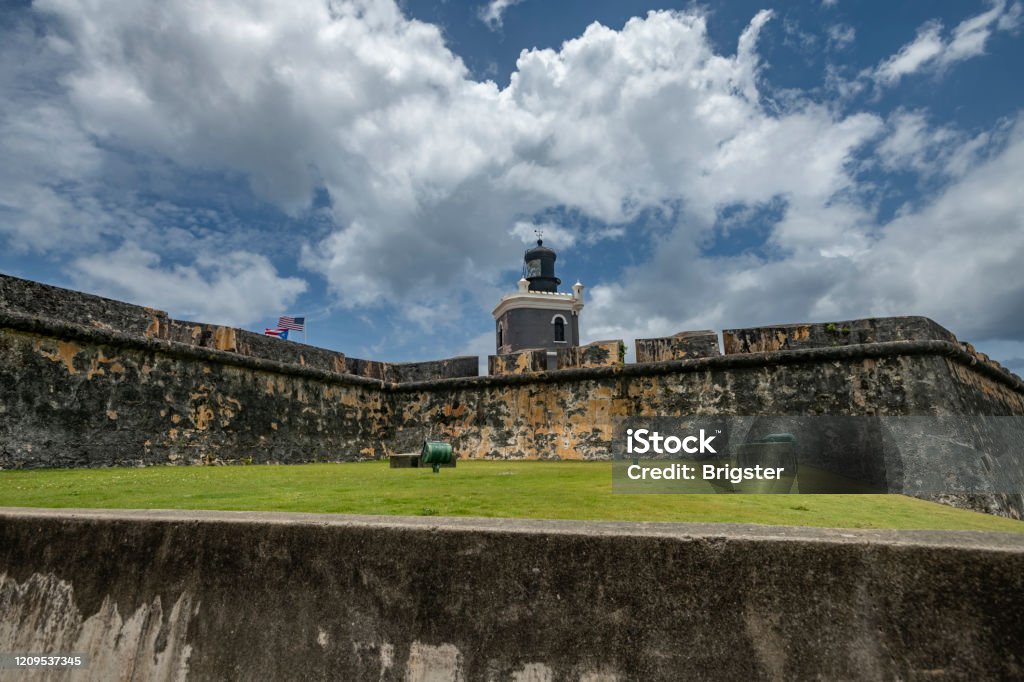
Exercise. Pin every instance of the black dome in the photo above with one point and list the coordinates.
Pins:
(539, 268)
(540, 251)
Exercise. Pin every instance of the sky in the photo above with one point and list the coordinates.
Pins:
(380, 166)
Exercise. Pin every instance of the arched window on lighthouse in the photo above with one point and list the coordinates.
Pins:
(559, 323)
(501, 340)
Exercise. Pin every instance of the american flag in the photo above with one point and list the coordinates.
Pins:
(279, 333)
(296, 323)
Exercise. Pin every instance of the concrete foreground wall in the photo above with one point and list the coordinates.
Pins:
(246, 596)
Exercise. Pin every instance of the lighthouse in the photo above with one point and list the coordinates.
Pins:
(538, 315)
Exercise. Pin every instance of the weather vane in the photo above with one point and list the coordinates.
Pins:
(539, 234)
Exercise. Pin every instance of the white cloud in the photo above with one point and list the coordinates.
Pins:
(493, 12)
(930, 51)
(236, 288)
(913, 144)
(435, 180)
(913, 56)
(555, 235)
(956, 259)
(48, 163)
(560, 237)
(841, 36)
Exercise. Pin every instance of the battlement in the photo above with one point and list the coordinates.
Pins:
(594, 354)
(681, 346)
(43, 301)
(65, 306)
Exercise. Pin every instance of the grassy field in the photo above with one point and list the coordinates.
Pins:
(551, 490)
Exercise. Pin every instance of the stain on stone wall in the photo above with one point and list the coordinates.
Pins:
(449, 368)
(399, 372)
(41, 614)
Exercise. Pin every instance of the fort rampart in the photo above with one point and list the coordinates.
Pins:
(85, 381)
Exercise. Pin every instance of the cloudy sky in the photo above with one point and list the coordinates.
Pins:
(380, 166)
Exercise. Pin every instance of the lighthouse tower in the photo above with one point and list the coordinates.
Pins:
(538, 315)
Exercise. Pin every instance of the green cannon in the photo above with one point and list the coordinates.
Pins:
(435, 453)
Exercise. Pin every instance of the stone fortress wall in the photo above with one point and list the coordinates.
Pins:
(87, 381)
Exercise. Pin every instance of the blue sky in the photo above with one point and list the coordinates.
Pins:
(380, 167)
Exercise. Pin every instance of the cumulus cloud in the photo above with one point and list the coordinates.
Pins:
(940, 259)
(955, 259)
(435, 180)
(493, 12)
(931, 51)
(48, 162)
(236, 288)
(427, 169)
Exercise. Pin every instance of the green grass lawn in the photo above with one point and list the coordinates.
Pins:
(550, 490)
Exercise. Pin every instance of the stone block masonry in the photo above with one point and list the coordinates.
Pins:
(521, 362)
(41, 300)
(78, 393)
(682, 346)
(254, 596)
(832, 334)
(594, 354)
(74, 396)
(530, 360)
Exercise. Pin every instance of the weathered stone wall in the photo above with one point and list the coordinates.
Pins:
(255, 345)
(569, 414)
(74, 396)
(831, 334)
(531, 360)
(449, 368)
(62, 385)
(41, 300)
(24, 297)
(77, 394)
(594, 354)
(521, 362)
(398, 372)
(246, 596)
(682, 346)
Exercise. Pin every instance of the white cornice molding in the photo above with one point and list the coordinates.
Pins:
(540, 300)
